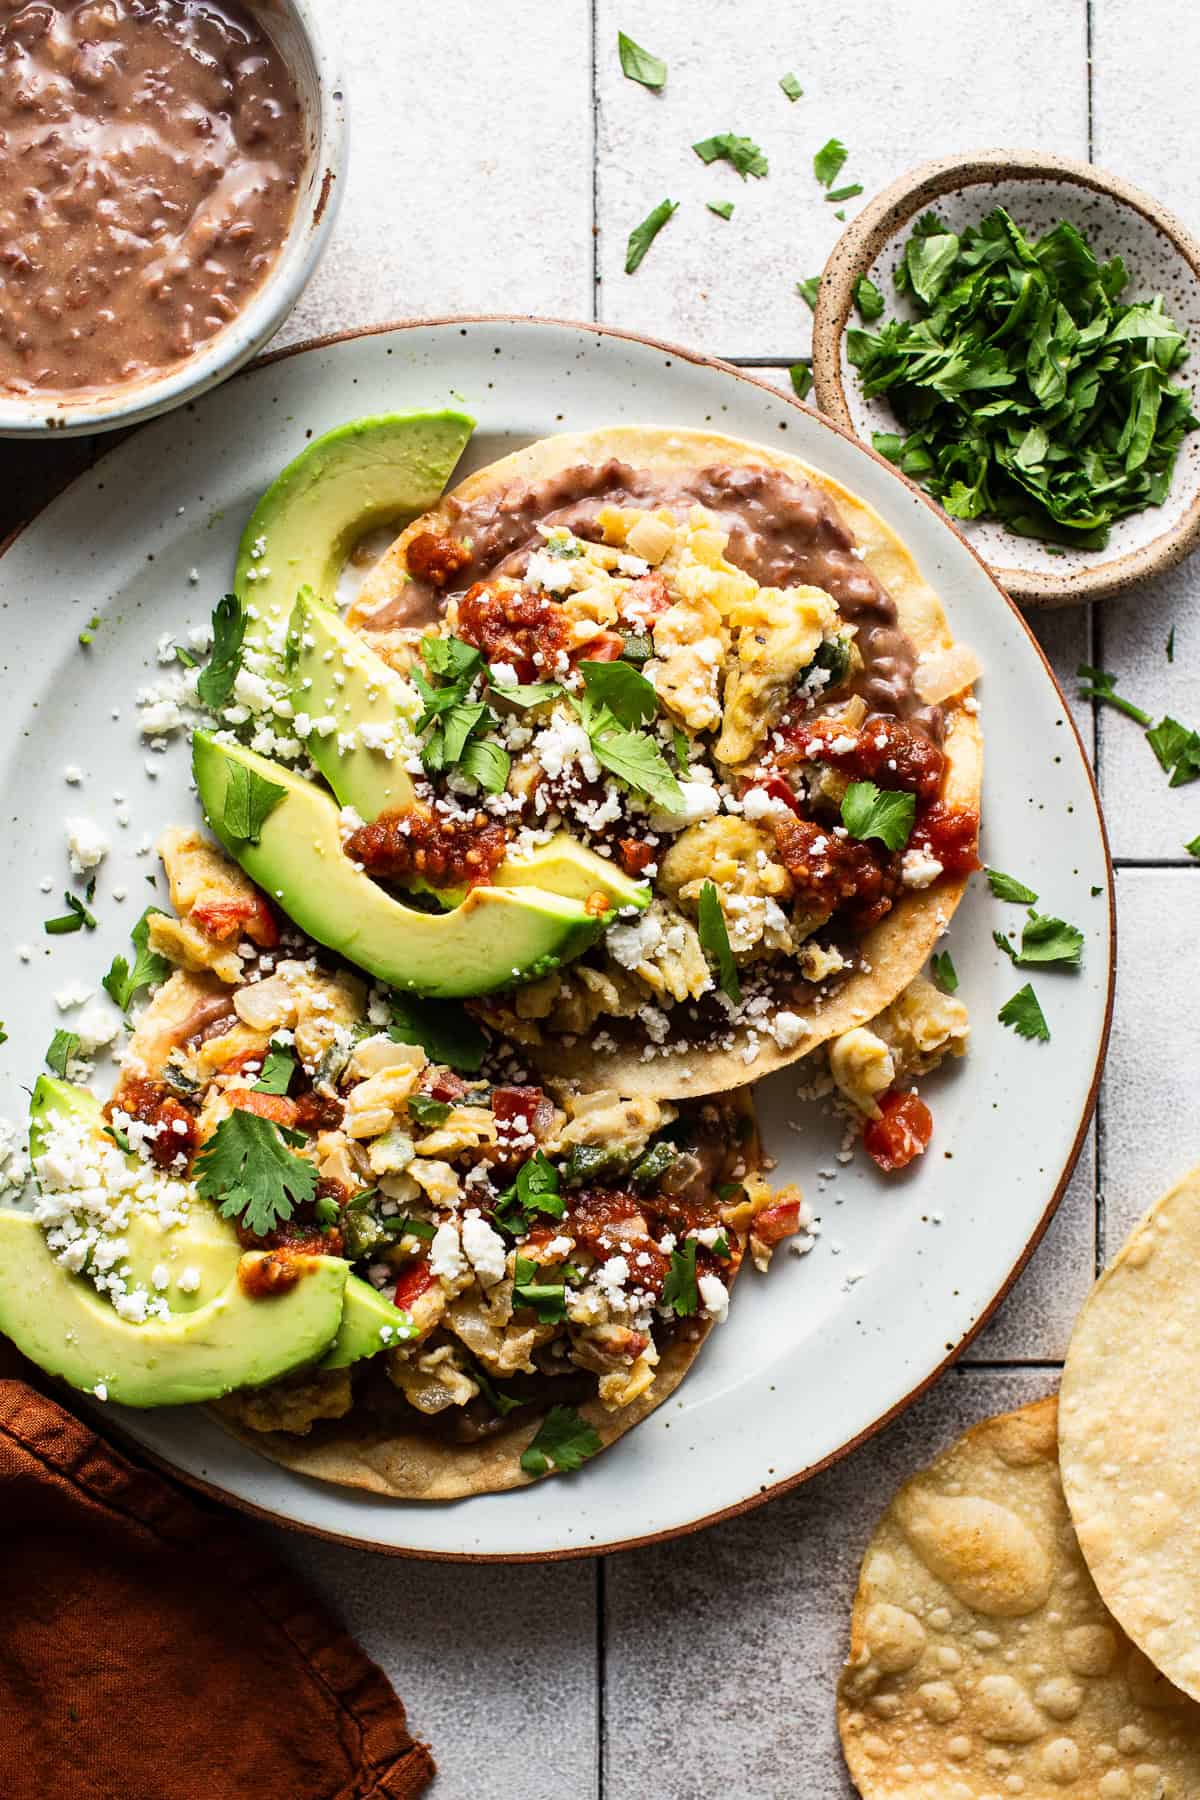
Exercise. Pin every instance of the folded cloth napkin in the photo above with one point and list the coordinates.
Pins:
(150, 1648)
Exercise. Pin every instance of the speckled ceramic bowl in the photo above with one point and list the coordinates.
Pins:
(1038, 190)
(294, 26)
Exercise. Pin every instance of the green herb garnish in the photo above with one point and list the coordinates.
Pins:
(279, 1065)
(535, 1190)
(801, 379)
(722, 208)
(64, 1048)
(445, 1031)
(546, 1298)
(791, 87)
(1007, 887)
(639, 65)
(680, 1292)
(248, 803)
(1171, 645)
(632, 756)
(75, 918)
(1044, 940)
(714, 941)
(123, 981)
(247, 1170)
(643, 235)
(428, 1111)
(883, 813)
(844, 193)
(944, 971)
(741, 153)
(563, 1439)
(868, 299)
(215, 685)
(827, 162)
(1029, 393)
(1176, 746)
(629, 697)
(1101, 685)
(808, 290)
(1025, 1016)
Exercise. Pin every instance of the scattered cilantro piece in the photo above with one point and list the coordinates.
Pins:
(714, 941)
(3, 1034)
(90, 629)
(326, 1211)
(279, 1065)
(546, 1298)
(1171, 645)
(632, 756)
(722, 208)
(1102, 686)
(535, 1190)
(828, 161)
(1007, 887)
(64, 1048)
(630, 698)
(867, 298)
(122, 981)
(808, 289)
(1096, 891)
(844, 193)
(791, 87)
(681, 747)
(408, 1226)
(215, 685)
(944, 971)
(1193, 848)
(720, 1245)
(1027, 391)
(452, 658)
(1177, 749)
(247, 1170)
(643, 235)
(428, 1111)
(74, 919)
(563, 1439)
(248, 803)
(1047, 940)
(487, 763)
(533, 693)
(1025, 1015)
(184, 657)
(883, 813)
(741, 153)
(802, 380)
(680, 1292)
(1003, 943)
(445, 1031)
(119, 1138)
(639, 65)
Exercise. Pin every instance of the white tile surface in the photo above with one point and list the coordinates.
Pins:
(890, 80)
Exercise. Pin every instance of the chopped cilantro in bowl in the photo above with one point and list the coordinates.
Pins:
(1030, 389)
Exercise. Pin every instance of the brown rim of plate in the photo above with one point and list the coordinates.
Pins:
(881, 219)
(675, 351)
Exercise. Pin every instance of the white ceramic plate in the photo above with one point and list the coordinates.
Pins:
(821, 1351)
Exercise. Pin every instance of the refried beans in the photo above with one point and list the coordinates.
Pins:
(150, 159)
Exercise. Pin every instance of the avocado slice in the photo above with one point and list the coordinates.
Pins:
(228, 1340)
(336, 674)
(366, 1317)
(374, 471)
(497, 937)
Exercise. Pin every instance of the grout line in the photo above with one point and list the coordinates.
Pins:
(1089, 45)
(998, 1366)
(1154, 862)
(595, 28)
(601, 1673)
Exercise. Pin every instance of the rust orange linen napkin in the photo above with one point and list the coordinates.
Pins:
(148, 1647)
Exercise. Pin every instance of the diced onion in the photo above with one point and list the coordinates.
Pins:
(946, 673)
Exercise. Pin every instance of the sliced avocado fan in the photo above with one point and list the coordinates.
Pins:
(285, 833)
(376, 471)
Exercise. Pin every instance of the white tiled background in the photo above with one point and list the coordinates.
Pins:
(498, 161)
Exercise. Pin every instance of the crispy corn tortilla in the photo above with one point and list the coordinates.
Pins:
(898, 947)
(983, 1662)
(1129, 1431)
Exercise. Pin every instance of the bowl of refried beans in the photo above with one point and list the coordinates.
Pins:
(168, 176)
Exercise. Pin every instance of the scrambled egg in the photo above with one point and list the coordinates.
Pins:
(778, 634)
(910, 1037)
(738, 858)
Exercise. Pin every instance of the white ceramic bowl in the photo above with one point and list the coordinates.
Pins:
(293, 27)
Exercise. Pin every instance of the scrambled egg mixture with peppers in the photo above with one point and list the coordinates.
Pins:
(533, 1247)
(702, 731)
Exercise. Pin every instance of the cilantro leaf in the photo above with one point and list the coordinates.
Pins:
(802, 380)
(639, 65)
(548, 1299)
(1025, 1015)
(1047, 940)
(1002, 943)
(808, 290)
(1102, 686)
(714, 941)
(487, 763)
(629, 697)
(247, 1170)
(1007, 887)
(681, 748)
(643, 235)
(1193, 848)
(828, 161)
(632, 756)
(680, 1291)
(1177, 749)
(497, 1399)
(3, 1035)
(122, 981)
(563, 1439)
(844, 193)
(452, 658)
(722, 208)
(944, 971)
(428, 1111)
(279, 1066)
(533, 693)
(741, 153)
(64, 1048)
(229, 622)
(867, 298)
(791, 87)
(249, 801)
(445, 1031)
(74, 919)
(535, 1190)
(872, 812)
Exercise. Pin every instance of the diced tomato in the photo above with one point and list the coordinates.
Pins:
(901, 1133)
(775, 1223)
(606, 646)
(949, 833)
(414, 1281)
(276, 1107)
(249, 917)
(442, 1084)
(648, 596)
(635, 855)
(519, 1110)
